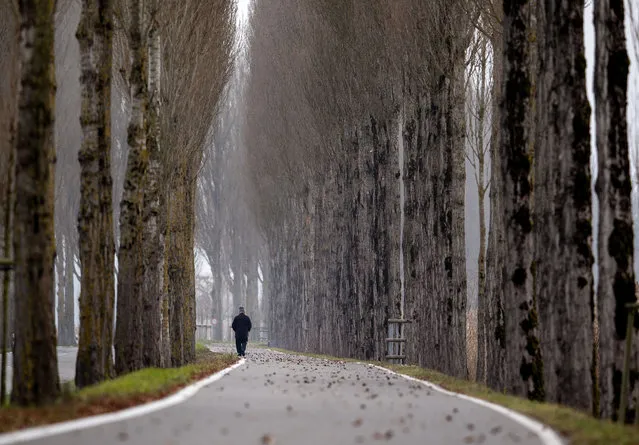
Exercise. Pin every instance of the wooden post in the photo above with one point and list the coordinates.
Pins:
(623, 402)
(395, 350)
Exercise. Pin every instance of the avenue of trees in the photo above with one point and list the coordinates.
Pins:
(319, 169)
(359, 118)
(106, 110)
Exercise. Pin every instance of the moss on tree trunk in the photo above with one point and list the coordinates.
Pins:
(95, 219)
(35, 364)
(616, 285)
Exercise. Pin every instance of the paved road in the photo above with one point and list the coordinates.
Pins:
(66, 364)
(282, 399)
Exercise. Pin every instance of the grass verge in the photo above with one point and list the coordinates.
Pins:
(132, 389)
(578, 427)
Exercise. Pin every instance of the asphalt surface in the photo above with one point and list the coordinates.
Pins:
(279, 398)
(66, 364)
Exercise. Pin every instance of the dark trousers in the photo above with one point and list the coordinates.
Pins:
(240, 345)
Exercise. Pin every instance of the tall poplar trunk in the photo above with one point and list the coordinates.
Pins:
(252, 307)
(7, 237)
(236, 266)
(616, 286)
(129, 334)
(65, 331)
(188, 258)
(9, 89)
(181, 272)
(524, 366)
(484, 99)
(563, 263)
(153, 236)
(68, 319)
(456, 131)
(35, 363)
(95, 221)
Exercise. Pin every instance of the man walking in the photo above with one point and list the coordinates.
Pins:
(242, 326)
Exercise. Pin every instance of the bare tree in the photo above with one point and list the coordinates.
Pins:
(616, 286)
(128, 332)
(524, 366)
(68, 137)
(95, 220)
(198, 37)
(479, 105)
(153, 235)
(563, 231)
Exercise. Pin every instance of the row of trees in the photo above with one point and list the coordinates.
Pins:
(359, 118)
(226, 231)
(159, 68)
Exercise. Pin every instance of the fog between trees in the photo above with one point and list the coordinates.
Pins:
(318, 159)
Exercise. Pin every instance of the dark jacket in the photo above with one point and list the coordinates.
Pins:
(242, 326)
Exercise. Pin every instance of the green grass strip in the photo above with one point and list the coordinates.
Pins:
(123, 392)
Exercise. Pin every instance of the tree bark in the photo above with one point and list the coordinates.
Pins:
(95, 221)
(64, 267)
(153, 236)
(188, 258)
(563, 263)
(129, 331)
(69, 293)
(252, 306)
(616, 286)
(524, 371)
(7, 237)
(35, 363)
(181, 273)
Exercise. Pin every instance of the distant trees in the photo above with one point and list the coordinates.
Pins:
(361, 110)
(334, 176)
(357, 154)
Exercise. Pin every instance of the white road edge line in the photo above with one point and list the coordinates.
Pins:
(128, 413)
(546, 434)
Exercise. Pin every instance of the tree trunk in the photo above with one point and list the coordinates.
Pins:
(252, 307)
(492, 310)
(455, 331)
(69, 295)
(563, 263)
(188, 258)
(129, 334)
(236, 266)
(95, 220)
(524, 366)
(153, 237)
(9, 91)
(616, 286)
(6, 343)
(66, 335)
(180, 268)
(483, 101)
(35, 363)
